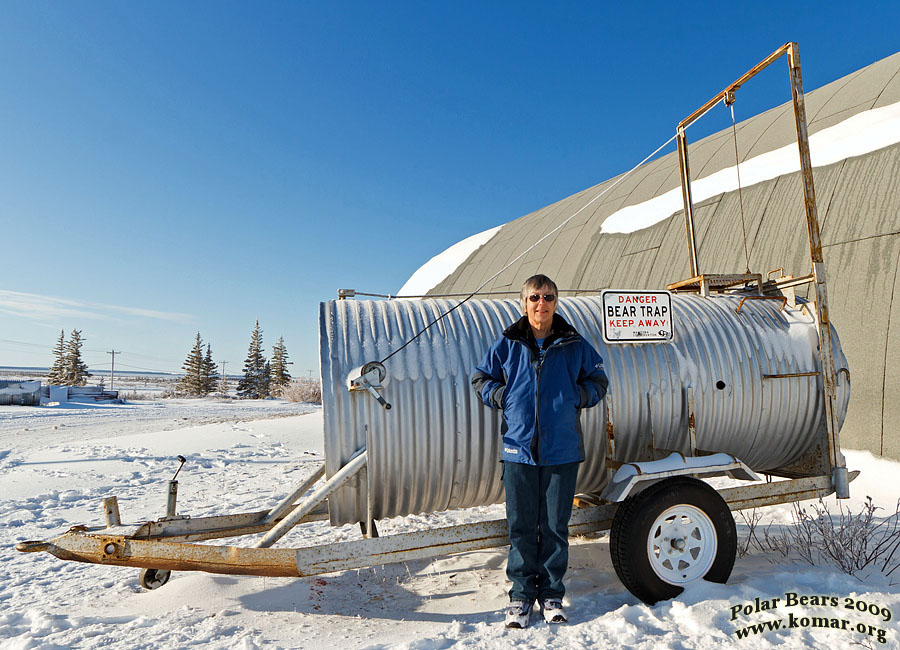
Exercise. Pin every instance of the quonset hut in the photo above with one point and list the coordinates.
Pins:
(633, 236)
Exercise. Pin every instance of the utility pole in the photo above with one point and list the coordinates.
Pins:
(224, 384)
(309, 375)
(112, 369)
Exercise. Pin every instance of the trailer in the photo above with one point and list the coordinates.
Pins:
(743, 379)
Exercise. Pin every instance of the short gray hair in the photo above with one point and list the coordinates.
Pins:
(534, 283)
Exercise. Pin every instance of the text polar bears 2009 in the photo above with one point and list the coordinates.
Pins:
(834, 621)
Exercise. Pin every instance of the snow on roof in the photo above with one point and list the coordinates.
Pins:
(440, 266)
(857, 135)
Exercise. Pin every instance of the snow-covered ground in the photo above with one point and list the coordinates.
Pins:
(56, 464)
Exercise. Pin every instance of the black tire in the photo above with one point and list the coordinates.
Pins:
(654, 567)
(154, 578)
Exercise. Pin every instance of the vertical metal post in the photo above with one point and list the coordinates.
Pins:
(685, 169)
(111, 512)
(692, 421)
(171, 499)
(368, 526)
(839, 470)
(651, 449)
(610, 436)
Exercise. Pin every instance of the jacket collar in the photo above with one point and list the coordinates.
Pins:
(521, 331)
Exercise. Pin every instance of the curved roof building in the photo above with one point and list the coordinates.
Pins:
(633, 235)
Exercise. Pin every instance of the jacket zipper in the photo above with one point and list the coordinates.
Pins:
(536, 446)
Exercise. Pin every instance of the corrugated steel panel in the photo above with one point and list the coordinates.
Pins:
(438, 447)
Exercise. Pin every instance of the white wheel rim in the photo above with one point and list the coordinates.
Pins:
(682, 544)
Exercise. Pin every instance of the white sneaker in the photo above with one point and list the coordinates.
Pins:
(553, 611)
(517, 614)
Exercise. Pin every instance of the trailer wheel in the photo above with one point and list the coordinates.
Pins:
(673, 533)
(154, 578)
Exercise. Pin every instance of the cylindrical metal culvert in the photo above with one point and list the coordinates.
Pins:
(438, 448)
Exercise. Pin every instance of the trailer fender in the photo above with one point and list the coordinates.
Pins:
(631, 475)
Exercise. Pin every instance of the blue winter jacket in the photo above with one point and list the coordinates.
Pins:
(541, 398)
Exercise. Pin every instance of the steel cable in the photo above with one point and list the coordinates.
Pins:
(530, 248)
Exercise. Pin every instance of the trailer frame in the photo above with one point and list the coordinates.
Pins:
(171, 542)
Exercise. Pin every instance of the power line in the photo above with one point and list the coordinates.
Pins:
(32, 345)
(167, 372)
(50, 348)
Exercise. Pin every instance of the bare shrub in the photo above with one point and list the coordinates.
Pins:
(854, 543)
(751, 521)
(303, 390)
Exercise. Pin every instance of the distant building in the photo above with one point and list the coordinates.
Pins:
(22, 393)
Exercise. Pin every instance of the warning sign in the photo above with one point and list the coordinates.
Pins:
(637, 316)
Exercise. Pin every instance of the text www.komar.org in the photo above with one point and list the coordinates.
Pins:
(794, 621)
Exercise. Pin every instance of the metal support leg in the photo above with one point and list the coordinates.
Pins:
(288, 502)
(348, 471)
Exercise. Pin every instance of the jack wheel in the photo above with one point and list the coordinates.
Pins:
(154, 578)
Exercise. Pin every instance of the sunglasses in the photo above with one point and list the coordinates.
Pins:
(548, 297)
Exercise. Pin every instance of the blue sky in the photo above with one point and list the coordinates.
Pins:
(174, 167)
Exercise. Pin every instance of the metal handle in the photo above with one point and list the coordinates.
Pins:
(783, 300)
(182, 460)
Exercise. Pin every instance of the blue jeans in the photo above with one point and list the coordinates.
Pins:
(538, 506)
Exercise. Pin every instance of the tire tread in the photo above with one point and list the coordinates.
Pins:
(638, 512)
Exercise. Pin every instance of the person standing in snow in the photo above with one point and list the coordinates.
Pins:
(540, 373)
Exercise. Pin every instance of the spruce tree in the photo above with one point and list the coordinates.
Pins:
(255, 382)
(210, 374)
(192, 382)
(57, 375)
(279, 374)
(76, 370)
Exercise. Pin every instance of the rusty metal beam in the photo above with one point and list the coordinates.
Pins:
(184, 529)
(100, 547)
(113, 550)
(685, 171)
(789, 375)
(432, 543)
(783, 300)
(205, 528)
(730, 90)
(832, 426)
(768, 494)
